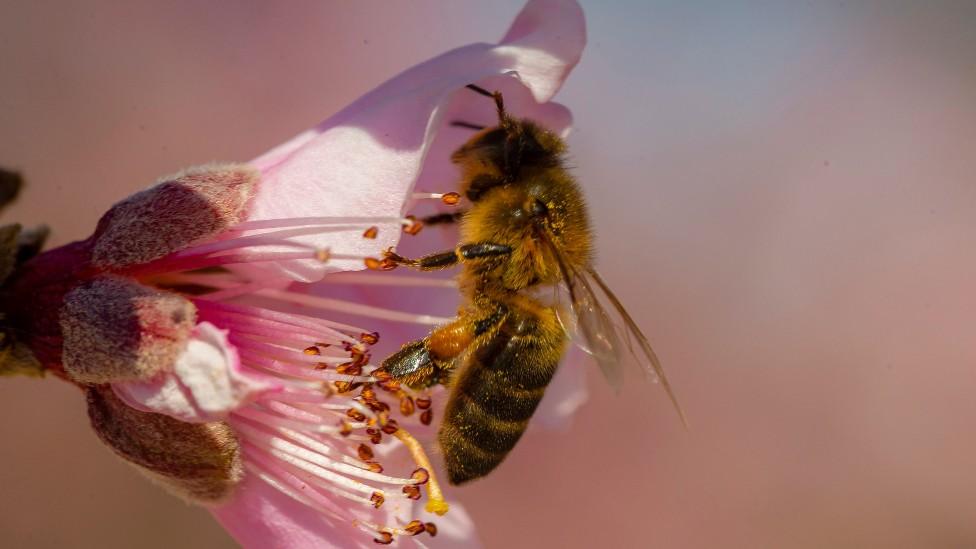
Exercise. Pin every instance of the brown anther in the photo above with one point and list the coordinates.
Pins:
(365, 452)
(355, 414)
(321, 345)
(385, 538)
(375, 436)
(451, 198)
(414, 227)
(377, 499)
(346, 429)
(420, 476)
(372, 338)
(391, 427)
(406, 405)
(372, 263)
(423, 402)
(415, 527)
(371, 232)
(412, 491)
(375, 467)
(381, 375)
(431, 529)
(312, 350)
(368, 393)
(323, 255)
(349, 368)
(377, 406)
(321, 365)
(343, 386)
(388, 264)
(427, 417)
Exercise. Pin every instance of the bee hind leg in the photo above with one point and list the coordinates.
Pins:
(413, 365)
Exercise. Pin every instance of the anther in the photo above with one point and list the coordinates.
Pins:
(423, 402)
(323, 255)
(390, 427)
(375, 467)
(371, 232)
(381, 375)
(372, 263)
(450, 198)
(355, 414)
(412, 491)
(415, 527)
(388, 264)
(349, 368)
(385, 538)
(377, 498)
(427, 417)
(406, 405)
(365, 452)
(431, 529)
(414, 227)
(313, 351)
(375, 436)
(371, 338)
(420, 476)
(346, 429)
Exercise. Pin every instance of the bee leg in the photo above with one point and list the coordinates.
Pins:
(442, 260)
(429, 361)
(443, 218)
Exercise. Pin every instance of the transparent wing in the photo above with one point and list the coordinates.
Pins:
(599, 334)
(644, 353)
(607, 330)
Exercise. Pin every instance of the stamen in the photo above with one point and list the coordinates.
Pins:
(315, 221)
(435, 501)
(371, 232)
(450, 198)
(368, 279)
(327, 303)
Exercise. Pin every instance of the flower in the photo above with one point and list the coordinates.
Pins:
(169, 316)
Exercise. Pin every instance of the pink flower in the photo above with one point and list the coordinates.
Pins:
(170, 316)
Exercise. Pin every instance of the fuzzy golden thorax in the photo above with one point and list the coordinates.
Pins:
(523, 197)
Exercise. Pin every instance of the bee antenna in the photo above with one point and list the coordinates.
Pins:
(496, 95)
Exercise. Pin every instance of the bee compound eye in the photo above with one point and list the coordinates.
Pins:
(539, 208)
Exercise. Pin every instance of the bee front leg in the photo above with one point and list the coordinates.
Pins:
(443, 260)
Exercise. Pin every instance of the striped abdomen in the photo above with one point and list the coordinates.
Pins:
(497, 390)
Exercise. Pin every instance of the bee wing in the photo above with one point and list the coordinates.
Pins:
(600, 335)
(643, 353)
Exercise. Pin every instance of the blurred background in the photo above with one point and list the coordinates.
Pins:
(785, 199)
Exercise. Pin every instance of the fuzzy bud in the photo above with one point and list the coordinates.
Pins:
(118, 330)
(200, 462)
(174, 214)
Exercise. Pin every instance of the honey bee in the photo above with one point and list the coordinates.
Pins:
(527, 228)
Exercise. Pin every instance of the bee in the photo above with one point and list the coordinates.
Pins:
(527, 228)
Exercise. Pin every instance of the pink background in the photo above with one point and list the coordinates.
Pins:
(785, 199)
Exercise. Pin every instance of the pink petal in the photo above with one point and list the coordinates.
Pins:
(205, 383)
(262, 516)
(366, 159)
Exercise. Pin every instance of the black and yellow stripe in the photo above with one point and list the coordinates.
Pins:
(496, 392)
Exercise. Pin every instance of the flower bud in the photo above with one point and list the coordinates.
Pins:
(177, 212)
(200, 462)
(116, 329)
